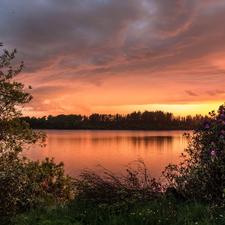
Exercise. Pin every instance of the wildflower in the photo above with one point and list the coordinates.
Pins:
(204, 154)
(219, 120)
(205, 164)
(223, 122)
(206, 126)
(139, 214)
(221, 107)
(221, 137)
(213, 153)
(205, 120)
(222, 116)
(212, 143)
(222, 132)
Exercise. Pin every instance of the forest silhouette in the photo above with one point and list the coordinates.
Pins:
(148, 120)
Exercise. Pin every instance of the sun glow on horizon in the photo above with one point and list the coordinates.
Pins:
(177, 110)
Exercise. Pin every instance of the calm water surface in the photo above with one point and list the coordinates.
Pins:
(82, 149)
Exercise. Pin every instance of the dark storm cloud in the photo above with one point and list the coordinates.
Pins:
(107, 33)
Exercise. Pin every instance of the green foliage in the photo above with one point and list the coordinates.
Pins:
(49, 178)
(29, 185)
(23, 184)
(202, 173)
(151, 212)
(14, 136)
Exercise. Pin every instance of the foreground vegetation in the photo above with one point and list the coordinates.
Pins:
(160, 211)
(33, 192)
(133, 199)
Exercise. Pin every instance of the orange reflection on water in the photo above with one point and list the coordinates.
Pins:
(80, 149)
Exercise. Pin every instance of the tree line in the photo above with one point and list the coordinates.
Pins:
(148, 120)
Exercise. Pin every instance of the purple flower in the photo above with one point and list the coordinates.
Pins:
(196, 129)
(221, 137)
(205, 164)
(204, 183)
(222, 116)
(213, 153)
(219, 120)
(204, 154)
(222, 131)
(223, 122)
(221, 107)
(206, 126)
(205, 120)
(212, 143)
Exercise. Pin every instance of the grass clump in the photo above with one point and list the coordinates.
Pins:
(160, 211)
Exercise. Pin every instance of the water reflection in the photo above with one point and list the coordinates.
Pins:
(80, 149)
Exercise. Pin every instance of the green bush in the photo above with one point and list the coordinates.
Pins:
(202, 172)
(23, 184)
(53, 185)
(26, 185)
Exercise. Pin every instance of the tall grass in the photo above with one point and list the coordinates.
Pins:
(160, 211)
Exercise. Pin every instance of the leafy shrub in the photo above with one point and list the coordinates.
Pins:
(202, 172)
(23, 184)
(53, 185)
(14, 187)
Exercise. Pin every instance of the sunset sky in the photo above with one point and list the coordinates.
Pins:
(118, 56)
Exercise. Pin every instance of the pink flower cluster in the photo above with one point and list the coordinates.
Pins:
(221, 107)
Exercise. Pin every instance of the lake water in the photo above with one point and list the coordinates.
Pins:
(113, 149)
